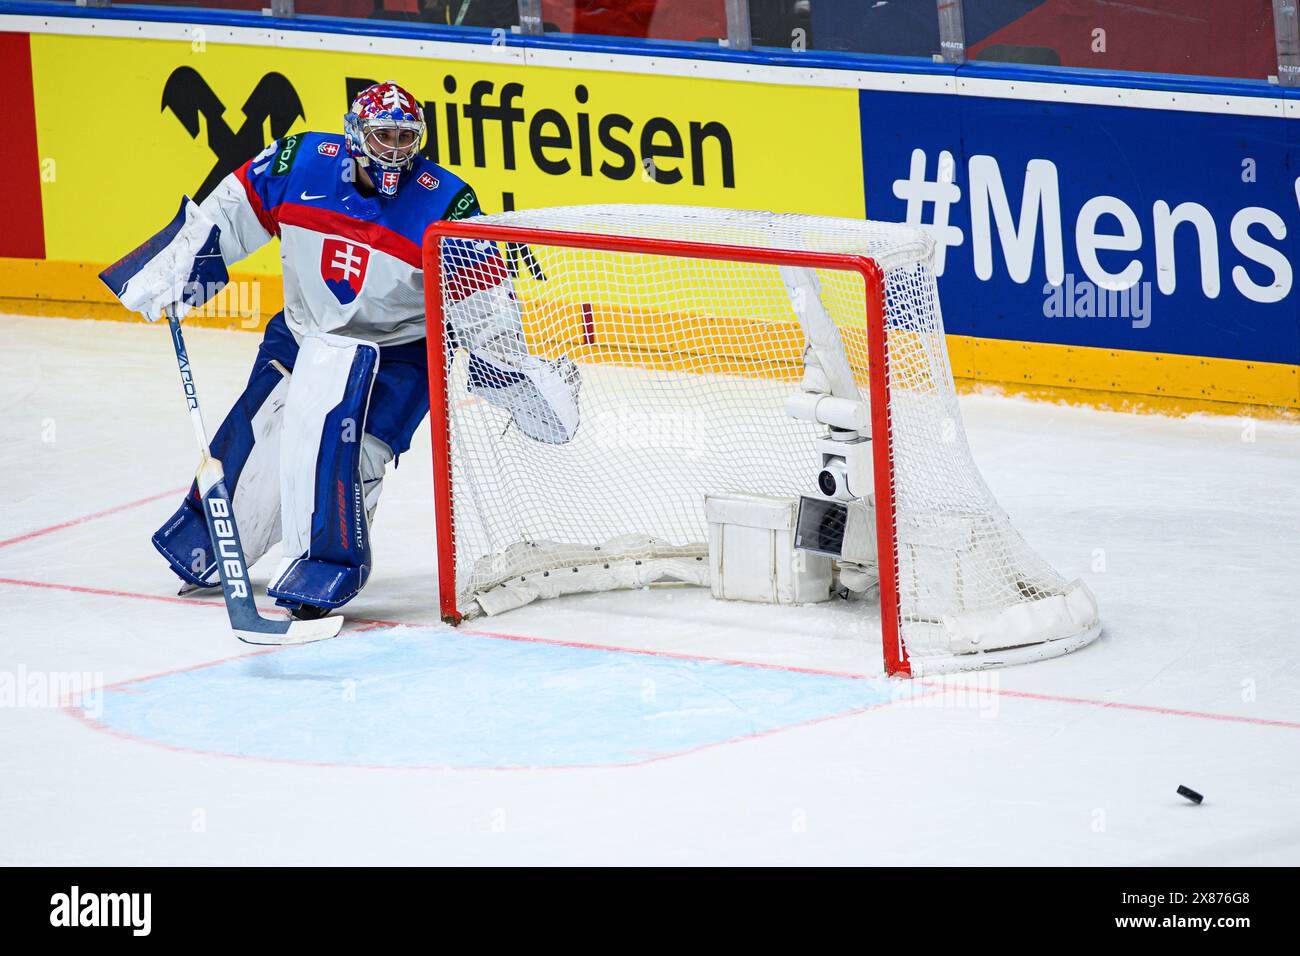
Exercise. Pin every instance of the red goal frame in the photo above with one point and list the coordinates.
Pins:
(895, 652)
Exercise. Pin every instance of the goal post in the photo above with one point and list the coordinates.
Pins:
(595, 372)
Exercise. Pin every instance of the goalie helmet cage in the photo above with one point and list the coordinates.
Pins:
(687, 336)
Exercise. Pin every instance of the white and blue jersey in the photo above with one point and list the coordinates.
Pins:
(352, 262)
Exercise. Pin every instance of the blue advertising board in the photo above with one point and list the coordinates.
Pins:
(1120, 227)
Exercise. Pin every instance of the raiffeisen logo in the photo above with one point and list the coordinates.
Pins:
(75, 908)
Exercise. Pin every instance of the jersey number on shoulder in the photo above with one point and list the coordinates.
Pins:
(258, 166)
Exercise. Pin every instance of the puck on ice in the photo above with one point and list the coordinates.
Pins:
(1190, 794)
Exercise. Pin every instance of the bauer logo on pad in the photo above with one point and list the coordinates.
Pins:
(343, 267)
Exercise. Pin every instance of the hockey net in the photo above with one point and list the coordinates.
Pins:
(686, 341)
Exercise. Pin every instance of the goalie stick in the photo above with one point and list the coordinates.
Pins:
(249, 625)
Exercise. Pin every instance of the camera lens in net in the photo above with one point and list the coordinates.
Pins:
(826, 482)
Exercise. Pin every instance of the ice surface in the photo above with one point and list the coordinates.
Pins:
(1187, 530)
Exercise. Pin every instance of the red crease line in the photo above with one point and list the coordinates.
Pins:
(90, 517)
(367, 624)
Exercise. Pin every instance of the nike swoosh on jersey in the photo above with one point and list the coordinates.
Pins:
(307, 198)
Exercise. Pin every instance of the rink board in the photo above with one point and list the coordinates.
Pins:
(1181, 189)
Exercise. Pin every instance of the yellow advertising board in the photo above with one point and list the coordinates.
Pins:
(158, 118)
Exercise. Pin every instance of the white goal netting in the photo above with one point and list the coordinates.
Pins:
(589, 418)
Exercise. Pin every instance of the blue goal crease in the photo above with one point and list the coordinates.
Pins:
(404, 697)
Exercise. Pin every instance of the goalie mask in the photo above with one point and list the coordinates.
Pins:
(384, 130)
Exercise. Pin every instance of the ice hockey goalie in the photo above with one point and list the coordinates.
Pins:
(340, 382)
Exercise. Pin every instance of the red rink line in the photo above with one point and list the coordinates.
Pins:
(359, 625)
(936, 686)
(1145, 708)
(91, 517)
(105, 592)
(364, 623)
(648, 652)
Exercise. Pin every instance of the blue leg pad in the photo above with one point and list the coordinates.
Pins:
(326, 532)
(185, 543)
(319, 583)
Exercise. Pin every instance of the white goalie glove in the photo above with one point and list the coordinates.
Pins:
(540, 394)
(175, 271)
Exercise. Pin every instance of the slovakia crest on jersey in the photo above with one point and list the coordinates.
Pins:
(343, 267)
(328, 149)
